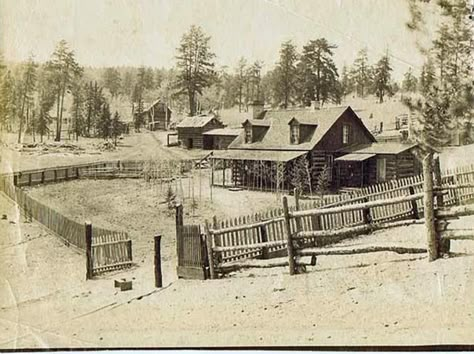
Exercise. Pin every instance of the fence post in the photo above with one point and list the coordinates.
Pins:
(89, 265)
(129, 249)
(414, 204)
(210, 257)
(443, 245)
(42, 177)
(429, 207)
(158, 273)
(291, 258)
(366, 213)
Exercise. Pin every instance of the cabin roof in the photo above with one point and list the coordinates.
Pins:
(224, 132)
(277, 136)
(158, 100)
(257, 155)
(196, 121)
(389, 148)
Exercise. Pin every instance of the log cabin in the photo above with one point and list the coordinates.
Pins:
(279, 147)
(191, 130)
(157, 116)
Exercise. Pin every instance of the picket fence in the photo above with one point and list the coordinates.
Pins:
(231, 236)
(111, 249)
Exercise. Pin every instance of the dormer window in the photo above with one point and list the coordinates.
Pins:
(248, 134)
(294, 134)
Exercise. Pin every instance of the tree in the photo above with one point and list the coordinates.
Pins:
(105, 122)
(195, 65)
(427, 77)
(284, 75)
(382, 78)
(66, 70)
(7, 101)
(361, 73)
(300, 174)
(447, 102)
(94, 100)
(46, 100)
(322, 181)
(77, 108)
(240, 78)
(27, 88)
(319, 73)
(116, 127)
(347, 85)
(112, 81)
(410, 82)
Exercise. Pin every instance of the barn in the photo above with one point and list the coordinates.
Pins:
(279, 149)
(220, 138)
(191, 130)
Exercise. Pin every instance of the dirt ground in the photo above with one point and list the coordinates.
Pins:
(135, 146)
(371, 299)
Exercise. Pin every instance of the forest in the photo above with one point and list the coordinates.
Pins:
(36, 98)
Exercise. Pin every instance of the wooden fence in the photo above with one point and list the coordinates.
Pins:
(110, 249)
(263, 235)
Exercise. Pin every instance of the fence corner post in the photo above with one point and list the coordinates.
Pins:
(210, 255)
(428, 200)
(157, 263)
(89, 265)
(291, 258)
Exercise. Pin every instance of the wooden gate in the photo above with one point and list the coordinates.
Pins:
(191, 249)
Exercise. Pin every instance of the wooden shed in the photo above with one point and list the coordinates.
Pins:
(362, 165)
(157, 116)
(191, 130)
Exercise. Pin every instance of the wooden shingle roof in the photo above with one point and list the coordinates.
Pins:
(196, 121)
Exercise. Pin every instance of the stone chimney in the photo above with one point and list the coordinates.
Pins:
(256, 108)
(315, 105)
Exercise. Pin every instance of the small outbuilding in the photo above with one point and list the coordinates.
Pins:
(157, 116)
(191, 130)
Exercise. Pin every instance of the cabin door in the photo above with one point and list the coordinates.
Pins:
(190, 143)
(381, 170)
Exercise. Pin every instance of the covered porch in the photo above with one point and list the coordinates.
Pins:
(353, 170)
(253, 169)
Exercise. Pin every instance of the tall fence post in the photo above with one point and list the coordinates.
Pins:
(210, 257)
(429, 207)
(291, 257)
(366, 213)
(443, 245)
(158, 273)
(89, 265)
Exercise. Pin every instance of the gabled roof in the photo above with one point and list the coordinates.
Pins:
(158, 100)
(257, 122)
(277, 137)
(303, 121)
(196, 121)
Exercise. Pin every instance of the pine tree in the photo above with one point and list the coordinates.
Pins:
(195, 65)
(112, 81)
(7, 101)
(319, 73)
(382, 78)
(284, 75)
(77, 108)
(347, 85)
(361, 73)
(46, 100)
(105, 122)
(67, 71)
(410, 82)
(427, 77)
(27, 88)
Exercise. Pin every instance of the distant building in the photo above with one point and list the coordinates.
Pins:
(157, 116)
(191, 130)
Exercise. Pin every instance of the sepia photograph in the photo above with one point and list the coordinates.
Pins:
(236, 174)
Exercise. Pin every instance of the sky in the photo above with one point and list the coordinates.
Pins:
(147, 32)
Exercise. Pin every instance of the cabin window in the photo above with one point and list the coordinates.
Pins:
(248, 134)
(294, 134)
(346, 134)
